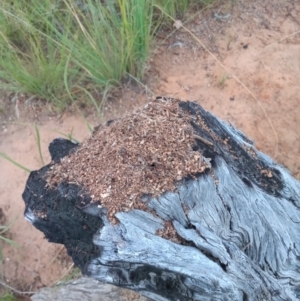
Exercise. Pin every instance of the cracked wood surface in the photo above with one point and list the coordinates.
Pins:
(239, 224)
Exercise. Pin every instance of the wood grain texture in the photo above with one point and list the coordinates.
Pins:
(240, 223)
(85, 289)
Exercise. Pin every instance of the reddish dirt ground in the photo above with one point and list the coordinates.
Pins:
(250, 77)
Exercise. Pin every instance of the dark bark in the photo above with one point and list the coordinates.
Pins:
(240, 221)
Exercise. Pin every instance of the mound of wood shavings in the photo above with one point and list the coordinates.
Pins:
(146, 152)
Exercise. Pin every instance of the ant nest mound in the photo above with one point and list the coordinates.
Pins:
(144, 153)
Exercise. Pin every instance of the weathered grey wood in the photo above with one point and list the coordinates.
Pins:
(241, 225)
(83, 289)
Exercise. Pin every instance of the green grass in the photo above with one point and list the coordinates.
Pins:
(7, 297)
(174, 8)
(3, 230)
(3, 155)
(65, 50)
(38, 141)
(75, 273)
(222, 80)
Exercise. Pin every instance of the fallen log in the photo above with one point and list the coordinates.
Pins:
(175, 204)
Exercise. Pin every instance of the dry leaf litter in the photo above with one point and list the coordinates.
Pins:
(144, 153)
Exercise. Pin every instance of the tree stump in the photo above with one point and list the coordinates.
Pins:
(209, 217)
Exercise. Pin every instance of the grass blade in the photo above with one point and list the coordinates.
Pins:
(3, 230)
(69, 136)
(9, 241)
(14, 162)
(39, 144)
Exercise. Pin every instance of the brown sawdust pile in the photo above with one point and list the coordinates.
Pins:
(144, 153)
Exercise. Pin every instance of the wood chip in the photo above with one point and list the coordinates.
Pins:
(143, 153)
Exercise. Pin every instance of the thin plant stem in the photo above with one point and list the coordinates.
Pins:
(38, 139)
(15, 290)
(14, 162)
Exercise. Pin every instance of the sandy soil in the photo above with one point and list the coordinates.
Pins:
(251, 77)
(266, 105)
